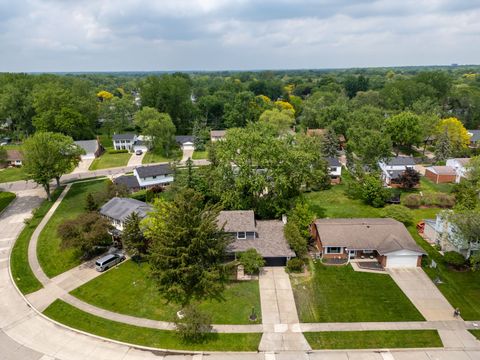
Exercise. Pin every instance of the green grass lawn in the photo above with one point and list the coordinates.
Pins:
(106, 161)
(106, 141)
(340, 294)
(5, 199)
(197, 155)
(476, 333)
(389, 339)
(21, 271)
(128, 289)
(53, 259)
(427, 185)
(12, 174)
(73, 317)
(153, 157)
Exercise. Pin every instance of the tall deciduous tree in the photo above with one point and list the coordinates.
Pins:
(404, 129)
(457, 134)
(282, 120)
(159, 129)
(188, 248)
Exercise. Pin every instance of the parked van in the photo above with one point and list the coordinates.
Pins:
(108, 261)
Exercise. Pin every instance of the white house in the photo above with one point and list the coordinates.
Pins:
(124, 141)
(216, 135)
(118, 209)
(186, 142)
(459, 165)
(334, 169)
(14, 158)
(92, 148)
(142, 143)
(154, 175)
(394, 167)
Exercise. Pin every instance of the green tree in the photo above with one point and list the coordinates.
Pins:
(330, 144)
(465, 229)
(302, 216)
(194, 326)
(187, 248)
(295, 239)
(373, 192)
(159, 129)
(3, 154)
(91, 204)
(409, 178)
(369, 146)
(132, 236)
(282, 120)
(404, 129)
(251, 261)
(456, 133)
(117, 113)
(443, 149)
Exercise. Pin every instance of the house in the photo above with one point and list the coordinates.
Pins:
(129, 181)
(265, 236)
(334, 169)
(154, 175)
(92, 149)
(14, 158)
(394, 167)
(118, 209)
(441, 174)
(460, 167)
(186, 142)
(216, 135)
(474, 138)
(441, 232)
(124, 141)
(387, 240)
(141, 143)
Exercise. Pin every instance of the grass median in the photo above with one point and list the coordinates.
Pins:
(382, 339)
(78, 319)
(5, 199)
(21, 272)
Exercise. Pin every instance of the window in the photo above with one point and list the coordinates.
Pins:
(241, 235)
(333, 169)
(334, 250)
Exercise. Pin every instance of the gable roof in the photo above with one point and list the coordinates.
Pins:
(384, 235)
(475, 135)
(333, 162)
(442, 170)
(218, 133)
(154, 170)
(127, 136)
(14, 155)
(237, 220)
(182, 139)
(400, 161)
(120, 208)
(90, 146)
(130, 181)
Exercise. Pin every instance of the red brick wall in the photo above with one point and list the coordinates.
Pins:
(439, 179)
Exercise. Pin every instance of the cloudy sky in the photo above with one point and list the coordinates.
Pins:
(103, 35)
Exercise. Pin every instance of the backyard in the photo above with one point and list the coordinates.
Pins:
(53, 259)
(373, 339)
(340, 294)
(129, 290)
(73, 317)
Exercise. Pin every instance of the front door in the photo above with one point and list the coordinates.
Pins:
(351, 254)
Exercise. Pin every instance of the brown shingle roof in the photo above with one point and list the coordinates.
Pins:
(218, 133)
(316, 132)
(383, 235)
(13, 155)
(237, 220)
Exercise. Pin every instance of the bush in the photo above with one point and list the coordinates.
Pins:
(251, 260)
(409, 179)
(373, 192)
(454, 258)
(475, 261)
(113, 151)
(140, 195)
(412, 200)
(295, 265)
(399, 213)
(445, 200)
(295, 239)
(194, 325)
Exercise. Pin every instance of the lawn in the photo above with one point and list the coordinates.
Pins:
(129, 290)
(340, 294)
(476, 333)
(428, 186)
(106, 161)
(73, 317)
(21, 271)
(5, 199)
(197, 155)
(12, 174)
(53, 259)
(153, 157)
(389, 339)
(106, 141)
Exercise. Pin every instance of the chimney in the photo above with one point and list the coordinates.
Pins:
(284, 219)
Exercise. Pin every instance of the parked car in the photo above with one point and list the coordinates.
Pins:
(108, 261)
(138, 152)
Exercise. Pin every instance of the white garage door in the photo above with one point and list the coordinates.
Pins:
(188, 147)
(397, 261)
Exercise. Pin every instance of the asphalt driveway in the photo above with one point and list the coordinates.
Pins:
(423, 293)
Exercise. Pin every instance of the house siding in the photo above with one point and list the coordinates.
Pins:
(439, 179)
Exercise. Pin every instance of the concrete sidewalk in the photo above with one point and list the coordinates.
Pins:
(279, 314)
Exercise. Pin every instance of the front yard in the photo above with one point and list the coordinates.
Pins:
(129, 290)
(340, 294)
(5, 199)
(107, 160)
(53, 259)
(373, 339)
(12, 174)
(153, 157)
(78, 319)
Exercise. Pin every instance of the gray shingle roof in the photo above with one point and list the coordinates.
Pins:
(127, 136)
(475, 135)
(154, 170)
(120, 208)
(401, 160)
(182, 139)
(270, 241)
(394, 174)
(237, 220)
(383, 235)
(90, 146)
(130, 181)
(333, 161)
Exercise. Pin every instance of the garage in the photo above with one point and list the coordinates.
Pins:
(188, 146)
(275, 261)
(402, 259)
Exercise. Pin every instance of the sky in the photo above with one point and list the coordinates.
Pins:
(165, 35)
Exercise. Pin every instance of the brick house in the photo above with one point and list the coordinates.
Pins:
(441, 174)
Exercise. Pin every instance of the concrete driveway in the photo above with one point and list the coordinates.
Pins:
(423, 293)
(83, 166)
(136, 160)
(187, 153)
